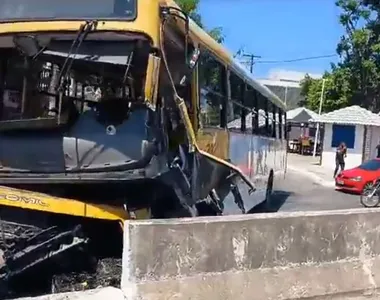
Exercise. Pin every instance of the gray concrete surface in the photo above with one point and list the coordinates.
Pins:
(298, 192)
(316, 255)
(302, 193)
(310, 166)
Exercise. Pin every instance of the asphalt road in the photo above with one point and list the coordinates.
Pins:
(300, 193)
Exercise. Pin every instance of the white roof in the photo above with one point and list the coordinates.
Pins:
(280, 74)
(291, 114)
(282, 83)
(352, 115)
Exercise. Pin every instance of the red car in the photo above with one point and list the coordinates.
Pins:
(360, 178)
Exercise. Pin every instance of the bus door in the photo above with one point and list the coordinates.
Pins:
(211, 133)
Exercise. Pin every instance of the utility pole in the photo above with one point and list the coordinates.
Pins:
(251, 61)
(319, 113)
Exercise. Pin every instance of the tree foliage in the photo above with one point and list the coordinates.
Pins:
(210, 71)
(191, 8)
(355, 80)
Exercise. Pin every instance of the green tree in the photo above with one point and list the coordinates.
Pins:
(357, 49)
(356, 78)
(211, 71)
(334, 92)
(191, 8)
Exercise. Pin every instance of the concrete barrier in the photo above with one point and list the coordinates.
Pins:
(108, 293)
(321, 255)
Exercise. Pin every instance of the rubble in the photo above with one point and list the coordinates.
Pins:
(108, 274)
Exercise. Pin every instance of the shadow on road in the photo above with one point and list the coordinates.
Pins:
(348, 192)
(278, 199)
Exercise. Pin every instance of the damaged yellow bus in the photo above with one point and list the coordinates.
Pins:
(114, 110)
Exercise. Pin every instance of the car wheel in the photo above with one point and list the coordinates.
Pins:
(365, 199)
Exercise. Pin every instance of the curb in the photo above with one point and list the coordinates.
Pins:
(317, 179)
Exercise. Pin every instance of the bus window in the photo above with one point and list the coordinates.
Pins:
(251, 101)
(267, 109)
(12, 89)
(264, 117)
(274, 121)
(285, 127)
(236, 113)
(51, 9)
(280, 123)
(18, 85)
(211, 91)
(244, 110)
(269, 118)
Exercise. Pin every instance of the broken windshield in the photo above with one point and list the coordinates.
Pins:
(113, 53)
(114, 58)
(102, 79)
(68, 9)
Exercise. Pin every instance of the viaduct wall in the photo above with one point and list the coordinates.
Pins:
(303, 255)
(266, 256)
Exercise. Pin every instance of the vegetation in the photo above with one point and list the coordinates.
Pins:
(209, 73)
(191, 7)
(355, 80)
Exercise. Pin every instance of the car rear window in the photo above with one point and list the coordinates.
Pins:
(370, 165)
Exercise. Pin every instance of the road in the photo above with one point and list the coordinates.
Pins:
(298, 193)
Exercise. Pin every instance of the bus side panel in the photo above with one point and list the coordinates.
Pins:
(240, 147)
(280, 162)
(214, 141)
(257, 156)
(250, 153)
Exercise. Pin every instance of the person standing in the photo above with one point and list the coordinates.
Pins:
(340, 155)
(378, 150)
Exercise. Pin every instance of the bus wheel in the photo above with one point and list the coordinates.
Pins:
(269, 190)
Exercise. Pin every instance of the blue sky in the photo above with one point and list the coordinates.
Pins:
(278, 30)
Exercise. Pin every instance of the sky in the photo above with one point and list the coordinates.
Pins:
(278, 30)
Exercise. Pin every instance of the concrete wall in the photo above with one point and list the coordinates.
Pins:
(354, 156)
(268, 256)
(303, 255)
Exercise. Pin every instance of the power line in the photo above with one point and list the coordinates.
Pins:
(294, 60)
(251, 61)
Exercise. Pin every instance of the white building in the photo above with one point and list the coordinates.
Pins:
(286, 84)
(357, 127)
(287, 91)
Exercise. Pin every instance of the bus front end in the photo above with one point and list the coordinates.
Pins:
(79, 135)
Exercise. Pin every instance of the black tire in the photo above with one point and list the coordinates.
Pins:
(269, 190)
(365, 200)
